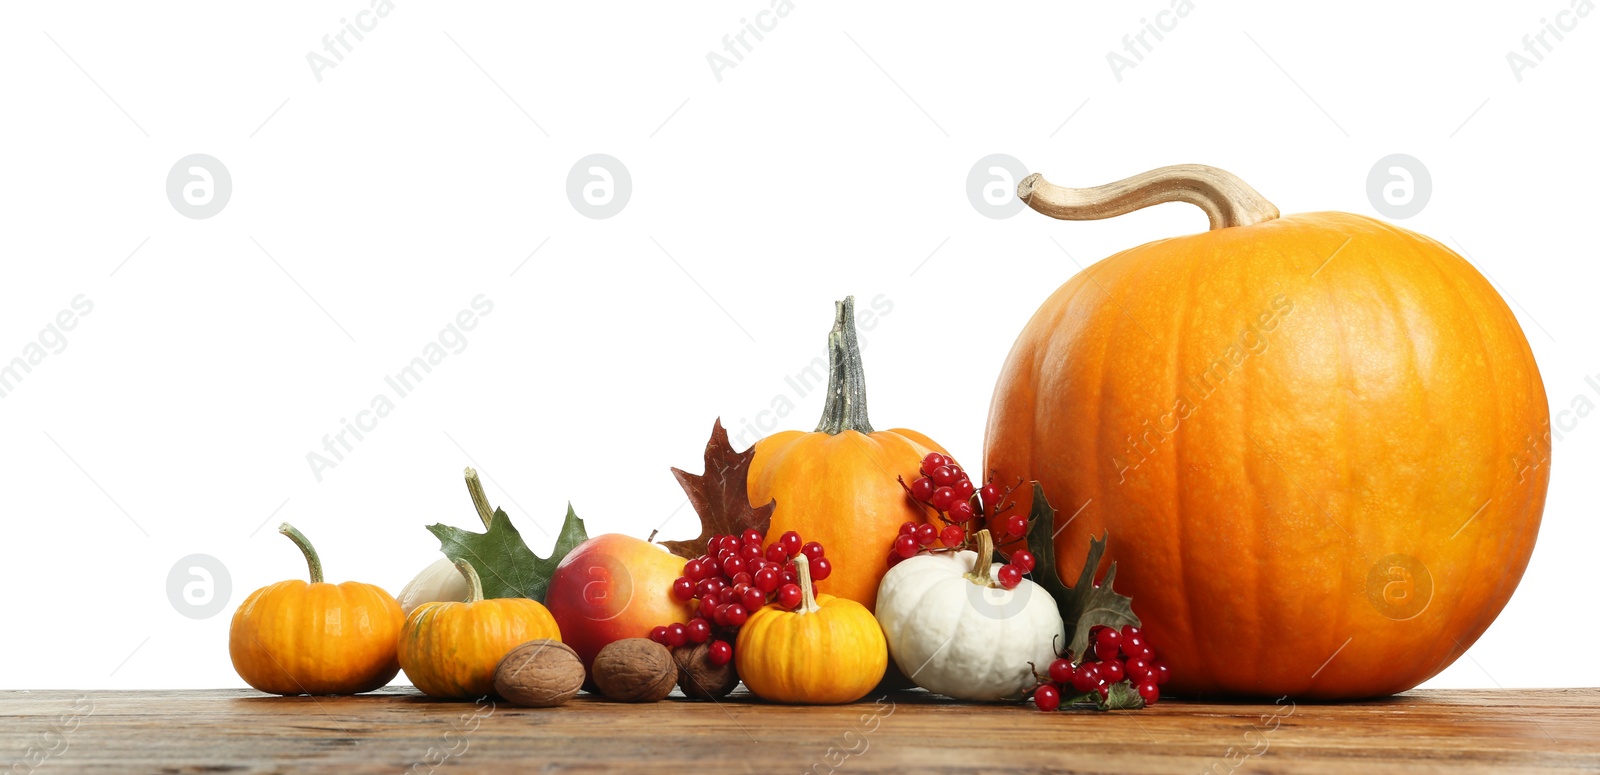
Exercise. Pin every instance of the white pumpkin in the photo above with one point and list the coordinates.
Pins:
(439, 582)
(953, 630)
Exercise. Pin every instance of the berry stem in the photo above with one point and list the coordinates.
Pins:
(846, 406)
(985, 550)
(937, 514)
(808, 600)
(907, 488)
(1006, 504)
(312, 560)
(480, 501)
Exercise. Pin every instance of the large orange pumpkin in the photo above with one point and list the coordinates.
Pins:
(1319, 442)
(837, 485)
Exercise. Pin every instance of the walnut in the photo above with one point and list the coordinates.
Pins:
(698, 678)
(539, 674)
(635, 670)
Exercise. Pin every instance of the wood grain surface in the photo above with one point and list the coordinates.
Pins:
(907, 733)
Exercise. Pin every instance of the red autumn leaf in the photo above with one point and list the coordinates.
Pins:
(721, 495)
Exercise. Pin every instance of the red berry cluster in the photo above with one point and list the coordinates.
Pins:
(1114, 655)
(955, 501)
(734, 579)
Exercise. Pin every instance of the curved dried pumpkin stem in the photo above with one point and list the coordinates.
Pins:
(312, 560)
(480, 501)
(846, 405)
(808, 598)
(985, 550)
(1227, 200)
(474, 583)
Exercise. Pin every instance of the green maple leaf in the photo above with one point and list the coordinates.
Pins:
(1086, 604)
(507, 567)
(1121, 696)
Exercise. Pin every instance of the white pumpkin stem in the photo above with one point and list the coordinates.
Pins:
(980, 569)
(474, 583)
(808, 599)
(480, 501)
(312, 560)
(1227, 200)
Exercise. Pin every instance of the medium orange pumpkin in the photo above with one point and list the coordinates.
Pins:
(1320, 442)
(451, 649)
(319, 638)
(837, 485)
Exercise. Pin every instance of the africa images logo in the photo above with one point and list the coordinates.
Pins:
(451, 341)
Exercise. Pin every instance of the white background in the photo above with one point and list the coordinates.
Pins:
(369, 208)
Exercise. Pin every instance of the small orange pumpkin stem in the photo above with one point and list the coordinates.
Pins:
(300, 540)
(474, 583)
(846, 406)
(480, 501)
(1227, 200)
(808, 599)
(980, 569)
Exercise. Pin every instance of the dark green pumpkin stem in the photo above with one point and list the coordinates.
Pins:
(300, 540)
(480, 501)
(846, 405)
(474, 584)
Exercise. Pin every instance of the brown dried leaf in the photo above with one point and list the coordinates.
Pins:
(1087, 604)
(721, 495)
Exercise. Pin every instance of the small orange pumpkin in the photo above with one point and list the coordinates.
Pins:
(830, 651)
(451, 649)
(319, 638)
(836, 485)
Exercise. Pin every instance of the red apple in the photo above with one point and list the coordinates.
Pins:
(612, 587)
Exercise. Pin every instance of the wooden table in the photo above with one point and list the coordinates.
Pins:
(908, 733)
